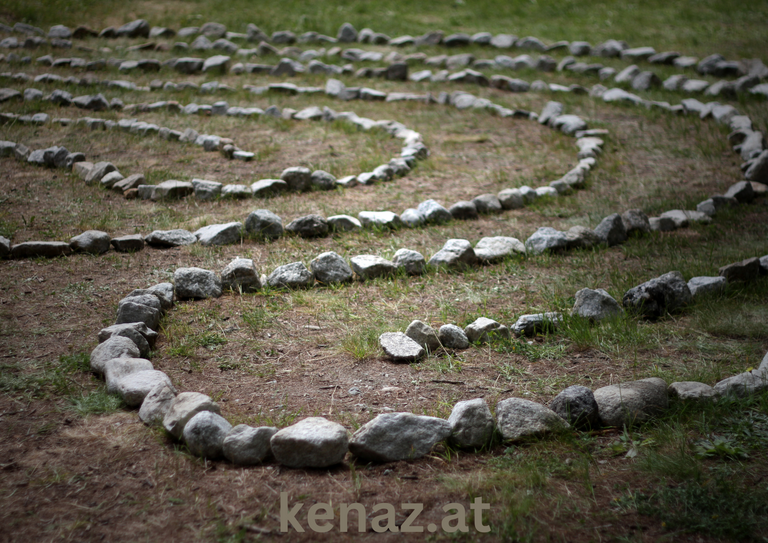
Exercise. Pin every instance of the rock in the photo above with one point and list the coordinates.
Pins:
(262, 223)
(269, 187)
(581, 237)
(487, 204)
(576, 405)
(188, 65)
(611, 230)
(99, 170)
(241, 275)
(691, 391)
(455, 253)
(134, 387)
(294, 275)
(380, 219)
(517, 418)
(633, 402)
(511, 199)
(138, 332)
(219, 234)
(743, 384)
(741, 272)
(645, 81)
(171, 238)
(471, 423)
(5, 247)
(662, 224)
(550, 112)
(654, 298)
(546, 239)
(483, 329)
(309, 226)
(135, 29)
(424, 335)
(133, 310)
(314, 442)
(185, 406)
(297, 178)
(758, 169)
(322, 180)
(463, 211)
(156, 404)
(216, 64)
(741, 191)
(91, 241)
(452, 337)
(498, 248)
(172, 189)
(412, 218)
(433, 212)
(705, 285)
(247, 446)
(371, 266)
(609, 48)
(196, 283)
(400, 348)
(330, 268)
(347, 34)
(391, 437)
(49, 249)
(412, 262)
(114, 347)
(117, 368)
(595, 305)
(204, 434)
(635, 222)
(529, 325)
(343, 223)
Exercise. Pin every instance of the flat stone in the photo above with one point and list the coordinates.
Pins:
(314, 442)
(455, 253)
(745, 271)
(236, 191)
(576, 405)
(204, 434)
(343, 223)
(691, 391)
(133, 388)
(654, 298)
(424, 335)
(662, 224)
(743, 384)
(330, 268)
(117, 368)
(219, 234)
(309, 226)
(91, 241)
(171, 238)
(517, 418)
(132, 310)
(452, 337)
(172, 189)
(487, 204)
(262, 223)
(294, 275)
(702, 286)
(635, 222)
(483, 329)
(537, 323)
(472, 424)
(741, 191)
(498, 248)
(511, 199)
(185, 406)
(196, 283)
(400, 348)
(48, 249)
(633, 402)
(138, 332)
(595, 305)
(380, 219)
(248, 446)
(581, 237)
(156, 404)
(99, 170)
(269, 187)
(241, 275)
(114, 347)
(546, 239)
(412, 262)
(391, 437)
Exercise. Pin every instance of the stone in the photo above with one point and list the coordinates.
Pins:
(743, 384)
(248, 446)
(330, 268)
(632, 402)
(550, 112)
(130, 182)
(511, 199)
(530, 325)
(294, 275)
(424, 335)
(609, 48)
(219, 234)
(196, 283)
(577, 406)
(711, 206)
(135, 29)
(117, 368)
(322, 180)
(664, 294)
(171, 238)
(133, 388)
(371, 266)
(343, 223)
(472, 424)
(95, 102)
(483, 329)
(188, 65)
(452, 337)
(5, 247)
(645, 80)
(132, 310)
(695, 85)
(380, 219)
(309, 226)
(595, 305)
(171, 190)
(581, 237)
(487, 204)
(758, 169)
(741, 272)
(580, 48)
(138, 332)
(497, 248)
(706, 285)
(546, 239)
(517, 418)
(298, 178)
(269, 187)
(611, 230)
(400, 348)
(635, 222)
(114, 347)
(662, 224)
(241, 275)
(742, 191)
(391, 437)
(412, 262)
(91, 241)
(313, 442)
(691, 391)
(216, 64)
(204, 434)
(99, 170)
(433, 212)
(48, 249)
(185, 406)
(156, 404)
(347, 34)
(263, 223)
(455, 253)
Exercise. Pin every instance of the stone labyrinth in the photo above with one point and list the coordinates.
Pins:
(315, 442)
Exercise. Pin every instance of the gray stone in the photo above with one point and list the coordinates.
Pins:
(322, 180)
(546, 239)
(743, 384)
(269, 187)
(343, 223)
(314, 442)
(132, 310)
(576, 405)
(135, 29)
(216, 64)
(156, 404)
(91, 241)
(741, 272)
(424, 335)
(188, 65)
(580, 48)
(595, 305)
(609, 48)
(114, 347)
(294, 275)
(298, 178)
(581, 237)
(633, 402)
(204, 434)
(391, 437)
(691, 391)
(452, 337)
(247, 446)
(185, 406)
(400, 348)
(487, 204)
(550, 112)
(206, 190)
(309, 226)
(219, 234)
(471, 423)
(645, 81)
(241, 275)
(95, 102)
(455, 253)
(5, 247)
(412, 262)
(171, 238)
(196, 283)
(117, 368)
(569, 124)
(371, 266)
(503, 41)
(330, 268)
(138, 332)
(662, 224)
(517, 418)
(172, 189)
(635, 222)
(611, 230)
(433, 212)
(133, 388)
(706, 285)
(411, 217)
(758, 169)
(99, 170)
(511, 199)
(463, 210)
(661, 295)
(49, 249)
(483, 329)
(537, 323)
(741, 191)
(380, 219)
(265, 224)
(695, 85)
(498, 248)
